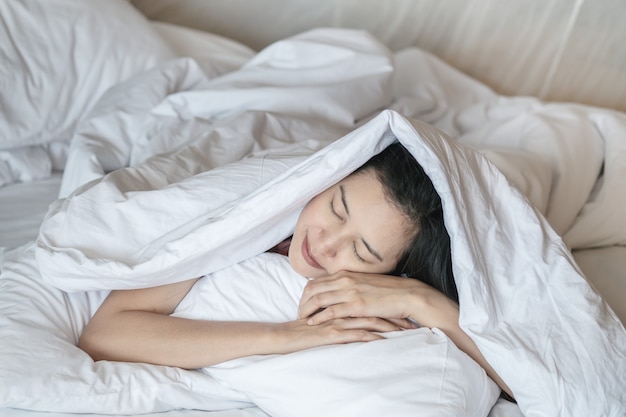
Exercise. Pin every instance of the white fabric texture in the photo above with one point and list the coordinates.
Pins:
(215, 54)
(577, 151)
(57, 58)
(24, 164)
(562, 352)
(42, 369)
(54, 72)
(110, 41)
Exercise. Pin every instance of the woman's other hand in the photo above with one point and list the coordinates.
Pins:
(299, 334)
(349, 294)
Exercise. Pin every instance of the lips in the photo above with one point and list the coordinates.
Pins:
(306, 254)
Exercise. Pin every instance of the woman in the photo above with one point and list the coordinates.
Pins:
(354, 240)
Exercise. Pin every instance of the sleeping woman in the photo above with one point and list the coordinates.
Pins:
(357, 242)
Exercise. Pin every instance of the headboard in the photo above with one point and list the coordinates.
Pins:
(557, 50)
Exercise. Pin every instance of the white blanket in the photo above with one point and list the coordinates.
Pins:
(523, 299)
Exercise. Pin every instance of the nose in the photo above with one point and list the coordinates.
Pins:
(329, 243)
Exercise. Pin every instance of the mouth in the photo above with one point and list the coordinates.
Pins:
(307, 255)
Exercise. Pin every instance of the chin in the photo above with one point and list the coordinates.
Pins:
(301, 267)
(307, 272)
(297, 264)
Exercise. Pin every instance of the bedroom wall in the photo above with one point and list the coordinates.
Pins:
(560, 50)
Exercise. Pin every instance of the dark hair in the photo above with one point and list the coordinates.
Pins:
(428, 256)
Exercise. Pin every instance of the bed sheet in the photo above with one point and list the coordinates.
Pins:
(439, 115)
(23, 206)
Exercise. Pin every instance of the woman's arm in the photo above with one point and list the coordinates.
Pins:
(136, 326)
(389, 297)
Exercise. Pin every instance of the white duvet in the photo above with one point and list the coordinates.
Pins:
(219, 172)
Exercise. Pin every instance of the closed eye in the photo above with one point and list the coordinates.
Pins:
(332, 209)
(357, 255)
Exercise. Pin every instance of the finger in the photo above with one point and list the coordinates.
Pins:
(371, 324)
(307, 305)
(404, 323)
(319, 302)
(358, 335)
(330, 282)
(321, 316)
(319, 285)
(335, 311)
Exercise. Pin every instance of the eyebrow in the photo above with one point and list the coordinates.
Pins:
(367, 246)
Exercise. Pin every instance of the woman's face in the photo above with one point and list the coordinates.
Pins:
(349, 227)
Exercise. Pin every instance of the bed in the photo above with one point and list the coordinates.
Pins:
(314, 94)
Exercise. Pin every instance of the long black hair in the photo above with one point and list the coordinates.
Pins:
(405, 184)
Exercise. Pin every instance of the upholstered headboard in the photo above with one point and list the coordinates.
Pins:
(557, 50)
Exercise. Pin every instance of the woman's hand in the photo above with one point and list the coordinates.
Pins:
(298, 335)
(349, 294)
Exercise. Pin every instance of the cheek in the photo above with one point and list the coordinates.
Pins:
(301, 222)
(347, 262)
(380, 269)
(311, 214)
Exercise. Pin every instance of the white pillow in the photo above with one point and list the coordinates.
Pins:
(413, 372)
(59, 56)
(215, 54)
(410, 373)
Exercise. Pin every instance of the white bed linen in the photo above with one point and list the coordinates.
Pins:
(422, 104)
(552, 258)
(30, 176)
(53, 72)
(576, 151)
(22, 208)
(518, 236)
(215, 54)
